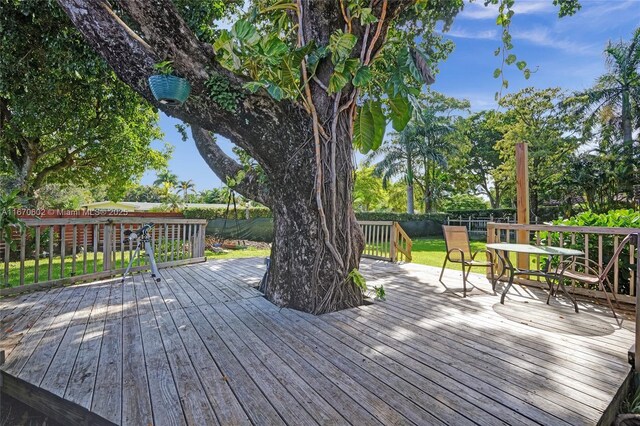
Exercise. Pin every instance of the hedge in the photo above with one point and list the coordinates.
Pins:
(400, 217)
(219, 213)
(485, 213)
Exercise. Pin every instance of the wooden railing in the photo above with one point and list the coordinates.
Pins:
(386, 240)
(60, 251)
(598, 244)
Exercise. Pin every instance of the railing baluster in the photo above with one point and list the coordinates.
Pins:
(50, 266)
(74, 249)
(85, 242)
(36, 265)
(166, 241)
(96, 239)
(23, 243)
(615, 266)
(62, 249)
(6, 246)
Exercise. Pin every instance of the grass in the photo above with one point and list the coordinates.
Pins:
(238, 254)
(432, 251)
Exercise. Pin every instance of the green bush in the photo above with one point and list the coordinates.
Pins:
(400, 217)
(219, 213)
(484, 213)
(612, 219)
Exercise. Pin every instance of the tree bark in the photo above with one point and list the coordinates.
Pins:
(309, 173)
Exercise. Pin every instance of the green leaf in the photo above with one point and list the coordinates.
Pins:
(521, 65)
(340, 45)
(351, 65)
(510, 59)
(254, 86)
(367, 17)
(245, 32)
(419, 66)
(496, 52)
(369, 127)
(337, 81)
(400, 112)
(274, 47)
(497, 72)
(379, 123)
(363, 129)
(280, 6)
(362, 76)
(275, 91)
(527, 73)
(315, 56)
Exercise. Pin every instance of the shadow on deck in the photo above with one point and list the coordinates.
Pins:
(203, 347)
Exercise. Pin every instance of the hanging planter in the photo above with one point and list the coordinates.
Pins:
(166, 88)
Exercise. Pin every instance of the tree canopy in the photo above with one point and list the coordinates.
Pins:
(65, 118)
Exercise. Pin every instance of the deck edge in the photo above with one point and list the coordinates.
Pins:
(49, 404)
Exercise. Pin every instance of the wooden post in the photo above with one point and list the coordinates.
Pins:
(636, 345)
(522, 198)
(393, 253)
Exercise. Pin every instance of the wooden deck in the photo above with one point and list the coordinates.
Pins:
(203, 347)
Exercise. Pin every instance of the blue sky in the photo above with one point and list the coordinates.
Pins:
(564, 53)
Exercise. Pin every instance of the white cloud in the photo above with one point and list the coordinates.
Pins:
(541, 36)
(478, 35)
(477, 10)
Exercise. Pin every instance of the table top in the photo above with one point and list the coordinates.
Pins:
(530, 249)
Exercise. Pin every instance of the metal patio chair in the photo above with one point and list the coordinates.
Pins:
(589, 272)
(456, 239)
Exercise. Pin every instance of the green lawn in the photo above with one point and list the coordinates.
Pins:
(237, 254)
(432, 251)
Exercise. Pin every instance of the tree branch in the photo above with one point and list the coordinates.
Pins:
(258, 124)
(225, 167)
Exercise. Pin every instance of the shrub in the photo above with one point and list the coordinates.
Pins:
(612, 219)
(484, 213)
(219, 213)
(400, 217)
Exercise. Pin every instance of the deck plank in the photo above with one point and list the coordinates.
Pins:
(107, 395)
(136, 397)
(204, 347)
(57, 377)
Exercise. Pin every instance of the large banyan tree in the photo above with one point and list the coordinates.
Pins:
(296, 85)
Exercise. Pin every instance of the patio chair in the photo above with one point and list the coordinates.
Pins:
(590, 272)
(456, 240)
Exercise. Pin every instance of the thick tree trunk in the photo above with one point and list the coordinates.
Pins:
(305, 274)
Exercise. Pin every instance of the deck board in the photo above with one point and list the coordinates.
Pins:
(204, 347)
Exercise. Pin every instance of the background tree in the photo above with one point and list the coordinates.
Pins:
(463, 202)
(166, 177)
(143, 194)
(212, 196)
(479, 134)
(418, 154)
(533, 116)
(65, 118)
(612, 107)
(295, 85)
(186, 186)
(368, 191)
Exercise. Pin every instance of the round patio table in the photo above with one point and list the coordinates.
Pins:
(503, 249)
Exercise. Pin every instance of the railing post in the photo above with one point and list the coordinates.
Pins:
(636, 355)
(106, 247)
(393, 252)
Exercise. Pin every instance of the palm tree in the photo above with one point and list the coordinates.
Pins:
(186, 186)
(415, 154)
(165, 176)
(618, 89)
